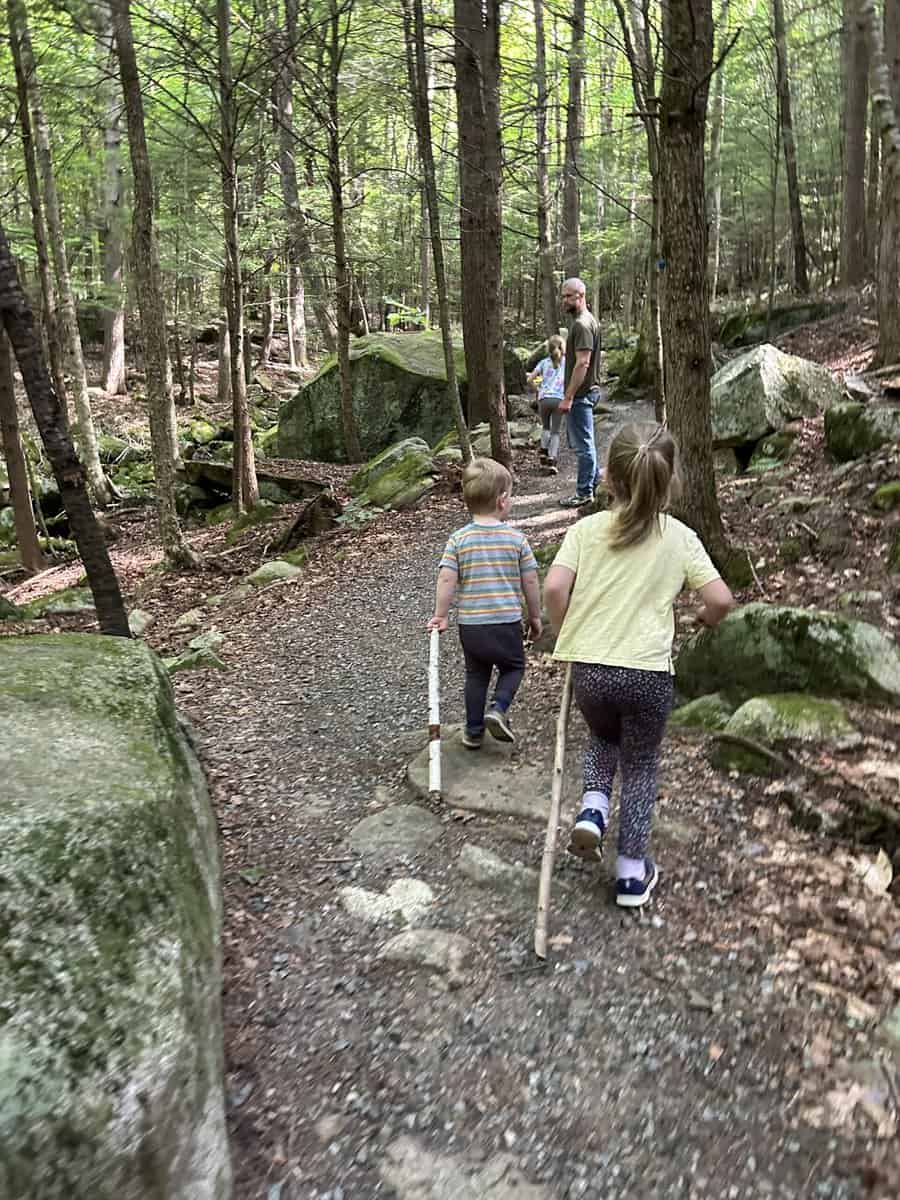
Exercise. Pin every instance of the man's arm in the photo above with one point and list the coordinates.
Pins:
(579, 372)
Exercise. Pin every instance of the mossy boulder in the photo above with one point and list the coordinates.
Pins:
(111, 1079)
(10, 611)
(762, 649)
(786, 717)
(261, 513)
(887, 497)
(852, 430)
(760, 392)
(69, 602)
(706, 712)
(397, 478)
(773, 451)
(273, 572)
(118, 451)
(399, 388)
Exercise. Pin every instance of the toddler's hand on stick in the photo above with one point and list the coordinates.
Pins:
(438, 623)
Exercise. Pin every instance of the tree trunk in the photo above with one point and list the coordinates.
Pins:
(477, 59)
(151, 301)
(636, 36)
(48, 288)
(300, 248)
(268, 312)
(571, 230)
(549, 302)
(715, 153)
(85, 433)
(854, 68)
(801, 275)
(885, 96)
(414, 27)
(874, 176)
(245, 489)
(68, 471)
(223, 379)
(687, 63)
(336, 45)
(112, 373)
(16, 467)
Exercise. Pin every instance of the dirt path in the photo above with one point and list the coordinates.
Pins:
(656, 1056)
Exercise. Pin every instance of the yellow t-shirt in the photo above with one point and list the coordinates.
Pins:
(620, 611)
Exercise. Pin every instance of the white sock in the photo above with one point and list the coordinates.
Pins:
(630, 868)
(597, 800)
(554, 446)
(545, 438)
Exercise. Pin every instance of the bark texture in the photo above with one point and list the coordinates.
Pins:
(687, 63)
(548, 289)
(571, 232)
(112, 372)
(151, 301)
(798, 237)
(16, 467)
(68, 471)
(854, 69)
(85, 433)
(477, 58)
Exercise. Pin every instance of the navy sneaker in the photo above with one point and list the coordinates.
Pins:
(497, 724)
(586, 838)
(632, 893)
(472, 741)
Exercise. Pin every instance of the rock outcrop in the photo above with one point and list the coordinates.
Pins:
(111, 1083)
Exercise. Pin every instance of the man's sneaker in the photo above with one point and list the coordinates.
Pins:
(576, 501)
(472, 741)
(549, 467)
(632, 893)
(586, 838)
(497, 725)
(543, 456)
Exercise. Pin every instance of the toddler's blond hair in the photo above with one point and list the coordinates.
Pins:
(484, 482)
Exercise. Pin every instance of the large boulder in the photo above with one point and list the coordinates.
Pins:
(763, 648)
(853, 429)
(397, 478)
(399, 390)
(111, 1077)
(763, 390)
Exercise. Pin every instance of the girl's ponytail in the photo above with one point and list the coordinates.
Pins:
(555, 348)
(642, 472)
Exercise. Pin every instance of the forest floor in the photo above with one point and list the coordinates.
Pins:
(727, 1042)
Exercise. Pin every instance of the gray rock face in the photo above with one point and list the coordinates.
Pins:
(765, 648)
(402, 830)
(416, 1174)
(399, 389)
(761, 391)
(111, 1036)
(853, 429)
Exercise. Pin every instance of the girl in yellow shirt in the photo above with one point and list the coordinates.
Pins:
(610, 594)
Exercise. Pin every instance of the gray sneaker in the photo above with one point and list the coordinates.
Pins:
(497, 725)
(472, 741)
(576, 501)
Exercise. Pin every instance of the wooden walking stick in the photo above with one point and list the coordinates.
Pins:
(434, 718)
(559, 762)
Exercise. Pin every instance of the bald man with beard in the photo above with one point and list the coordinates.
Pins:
(582, 381)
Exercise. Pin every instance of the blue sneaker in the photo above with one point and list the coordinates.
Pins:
(632, 893)
(586, 838)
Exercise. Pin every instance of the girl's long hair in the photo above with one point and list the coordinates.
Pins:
(556, 348)
(642, 468)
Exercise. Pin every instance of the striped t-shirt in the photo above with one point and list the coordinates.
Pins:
(489, 561)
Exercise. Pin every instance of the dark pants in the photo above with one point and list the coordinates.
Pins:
(626, 711)
(486, 647)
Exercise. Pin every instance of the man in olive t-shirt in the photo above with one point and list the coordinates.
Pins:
(582, 388)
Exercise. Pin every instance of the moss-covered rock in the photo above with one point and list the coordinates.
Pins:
(763, 390)
(893, 559)
(261, 513)
(10, 611)
(763, 649)
(201, 431)
(201, 653)
(415, 449)
(706, 712)
(399, 389)
(68, 602)
(397, 478)
(118, 451)
(772, 451)
(790, 716)
(272, 572)
(110, 974)
(887, 497)
(852, 430)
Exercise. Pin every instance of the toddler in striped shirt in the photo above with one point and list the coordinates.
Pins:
(487, 566)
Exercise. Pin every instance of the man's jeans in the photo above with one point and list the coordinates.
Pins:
(580, 431)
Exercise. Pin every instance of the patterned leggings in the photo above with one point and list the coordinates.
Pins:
(626, 712)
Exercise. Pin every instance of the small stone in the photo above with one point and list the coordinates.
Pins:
(272, 572)
(187, 620)
(486, 869)
(401, 830)
(433, 949)
(408, 899)
(139, 622)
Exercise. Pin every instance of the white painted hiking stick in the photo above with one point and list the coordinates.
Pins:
(434, 718)
(559, 762)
